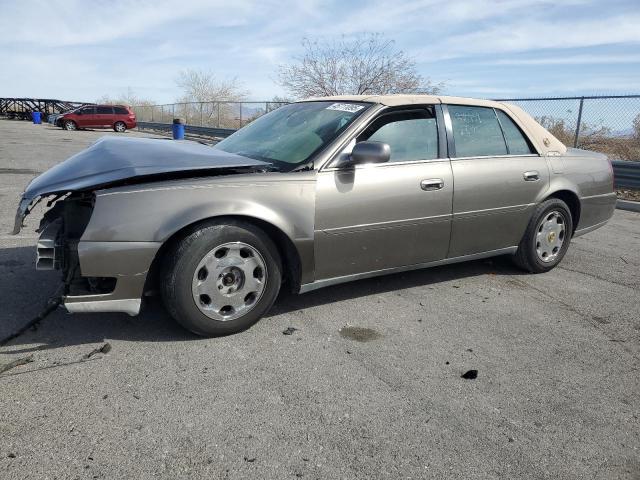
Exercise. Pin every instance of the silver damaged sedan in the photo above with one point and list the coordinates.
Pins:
(315, 193)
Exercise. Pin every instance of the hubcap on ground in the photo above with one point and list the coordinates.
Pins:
(229, 281)
(550, 236)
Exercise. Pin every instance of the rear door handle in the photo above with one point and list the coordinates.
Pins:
(432, 184)
(531, 176)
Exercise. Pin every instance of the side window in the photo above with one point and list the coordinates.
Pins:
(120, 110)
(88, 110)
(476, 131)
(516, 141)
(412, 135)
(104, 110)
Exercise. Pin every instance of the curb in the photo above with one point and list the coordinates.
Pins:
(628, 205)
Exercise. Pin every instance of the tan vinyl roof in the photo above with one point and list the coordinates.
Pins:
(544, 141)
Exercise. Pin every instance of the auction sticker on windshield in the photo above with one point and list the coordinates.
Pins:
(345, 107)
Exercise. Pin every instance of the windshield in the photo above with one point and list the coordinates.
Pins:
(289, 136)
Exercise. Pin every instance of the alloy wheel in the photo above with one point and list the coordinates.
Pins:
(550, 236)
(229, 281)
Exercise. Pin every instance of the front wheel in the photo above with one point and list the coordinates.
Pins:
(70, 125)
(221, 278)
(547, 237)
(120, 127)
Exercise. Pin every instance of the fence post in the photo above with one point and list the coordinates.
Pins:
(218, 114)
(240, 115)
(575, 140)
(201, 121)
(152, 109)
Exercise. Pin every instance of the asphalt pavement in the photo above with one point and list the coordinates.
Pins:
(366, 384)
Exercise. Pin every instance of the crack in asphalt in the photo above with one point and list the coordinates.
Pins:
(589, 318)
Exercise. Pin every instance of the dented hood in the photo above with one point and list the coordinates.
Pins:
(115, 159)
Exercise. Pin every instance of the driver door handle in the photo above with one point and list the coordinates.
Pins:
(531, 176)
(432, 184)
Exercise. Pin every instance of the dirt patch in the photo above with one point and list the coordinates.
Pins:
(359, 334)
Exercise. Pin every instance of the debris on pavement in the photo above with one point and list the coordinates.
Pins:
(250, 460)
(289, 331)
(16, 363)
(470, 375)
(106, 348)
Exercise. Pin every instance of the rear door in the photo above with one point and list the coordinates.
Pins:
(380, 216)
(498, 178)
(104, 116)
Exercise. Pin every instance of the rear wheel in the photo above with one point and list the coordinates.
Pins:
(70, 125)
(547, 237)
(221, 278)
(120, 127)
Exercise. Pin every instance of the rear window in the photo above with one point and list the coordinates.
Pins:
(516, 141)
(476, 131)
(121, 110)
(104, 110)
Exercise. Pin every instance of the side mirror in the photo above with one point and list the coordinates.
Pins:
(370, 152)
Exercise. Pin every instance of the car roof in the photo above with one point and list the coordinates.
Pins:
(404, 99)
(542, 139)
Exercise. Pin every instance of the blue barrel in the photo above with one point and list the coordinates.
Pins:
(178, 129)
(36, 117)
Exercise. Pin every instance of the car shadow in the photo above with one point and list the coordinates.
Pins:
(27, 291)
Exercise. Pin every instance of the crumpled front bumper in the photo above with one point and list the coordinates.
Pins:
(23, 211)
(128, 262)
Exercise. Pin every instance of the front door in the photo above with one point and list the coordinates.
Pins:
(86, 117)
(377, 217)
(498, 179)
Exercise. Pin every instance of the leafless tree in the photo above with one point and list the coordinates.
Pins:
(129, 98)
(365, 64)
(201, 86)
(210, 93)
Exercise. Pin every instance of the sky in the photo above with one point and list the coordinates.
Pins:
(81, 50)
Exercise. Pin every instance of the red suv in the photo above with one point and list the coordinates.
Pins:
(117, 117)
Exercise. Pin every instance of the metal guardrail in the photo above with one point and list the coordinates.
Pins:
(626, 174)
(189, 129)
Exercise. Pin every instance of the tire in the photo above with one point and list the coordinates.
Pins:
(547, 237)
(216, 263)
(70, 125)
(120, 127)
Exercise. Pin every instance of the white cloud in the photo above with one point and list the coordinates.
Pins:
(570, 60)
(79, 22)
(525, 35)
(113, 44)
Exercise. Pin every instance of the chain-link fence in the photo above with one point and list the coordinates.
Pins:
(231, 115)
(607, 124)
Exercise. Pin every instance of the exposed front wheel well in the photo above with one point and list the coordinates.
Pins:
(572, 201)
(291, 264)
